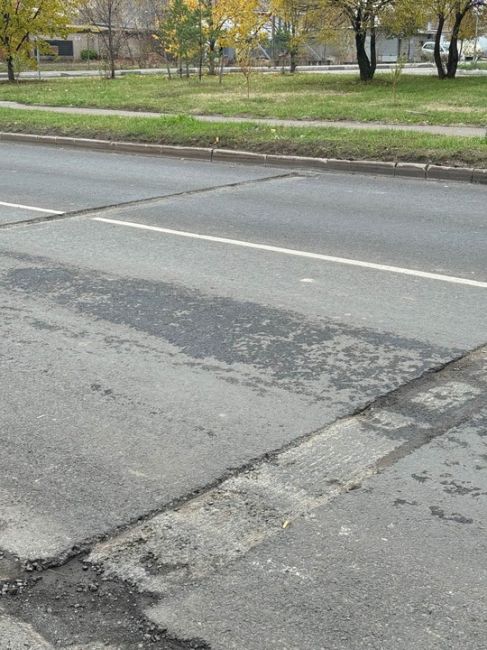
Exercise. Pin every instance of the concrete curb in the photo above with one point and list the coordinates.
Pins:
(373, 167)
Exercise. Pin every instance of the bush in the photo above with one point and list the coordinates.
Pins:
(89, 55)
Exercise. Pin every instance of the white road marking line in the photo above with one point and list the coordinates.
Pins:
(297, 253)
(29, 207)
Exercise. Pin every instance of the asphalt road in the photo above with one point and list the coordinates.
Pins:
(210, 316)
(423, 68)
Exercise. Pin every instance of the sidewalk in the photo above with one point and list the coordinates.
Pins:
(464, 131)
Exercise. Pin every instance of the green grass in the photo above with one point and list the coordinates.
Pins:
(480, 65)
(421, 100)
(307, 141)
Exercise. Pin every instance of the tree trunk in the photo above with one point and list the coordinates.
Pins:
(367, 70)
(111, 53)
(293, 63)
(222, 63)
(453, 58)
(438, 60)
(10, 69)
(200, 63)
(211, 57)
(453, 54)
(293, 50)
(373, 48)
(201, 51)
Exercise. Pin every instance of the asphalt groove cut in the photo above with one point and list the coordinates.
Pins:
(391, 455)
(97, 210)
(184, 544)
(123, 577)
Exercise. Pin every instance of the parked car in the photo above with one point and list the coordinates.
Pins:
(428, 51)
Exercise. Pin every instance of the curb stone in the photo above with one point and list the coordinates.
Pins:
(275, 160)
(174, 151)
(480, 176)
(228, 155)
(450, 173)
(373, 167)
(411, 170)
(363, 166)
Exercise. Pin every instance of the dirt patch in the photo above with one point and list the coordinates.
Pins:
(454, 108)
(76, 604)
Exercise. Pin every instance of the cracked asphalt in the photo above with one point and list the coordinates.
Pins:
(196, 450)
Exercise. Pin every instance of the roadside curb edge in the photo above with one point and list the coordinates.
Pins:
(373, 167)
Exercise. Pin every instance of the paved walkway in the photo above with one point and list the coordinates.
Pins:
(466, 131)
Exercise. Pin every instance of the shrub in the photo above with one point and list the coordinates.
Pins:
(89, 55)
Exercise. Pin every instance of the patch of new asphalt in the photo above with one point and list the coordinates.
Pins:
(456, 130)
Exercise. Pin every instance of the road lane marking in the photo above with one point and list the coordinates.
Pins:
(298, 253)
(29, 207)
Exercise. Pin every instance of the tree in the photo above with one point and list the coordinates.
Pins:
(452, 14)
(180, 31)
(295, 16)
(25, 21)
(404, 19)
(108, 16)
(244, 32)
(363, 17)
(213, 16)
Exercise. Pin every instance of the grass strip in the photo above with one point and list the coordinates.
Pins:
(321, 142)
(420, 99)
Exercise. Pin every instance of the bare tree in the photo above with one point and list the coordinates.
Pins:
(144, 18)
(108, 15)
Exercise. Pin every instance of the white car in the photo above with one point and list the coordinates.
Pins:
(428, 51)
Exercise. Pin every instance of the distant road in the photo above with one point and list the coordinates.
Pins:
(417, 68)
